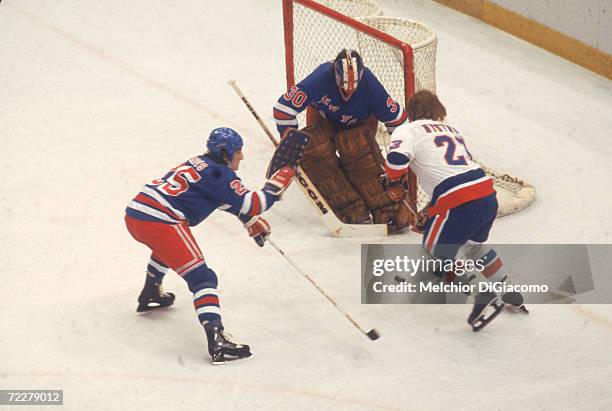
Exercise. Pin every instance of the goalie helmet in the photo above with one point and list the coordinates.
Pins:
(348, 69)
(224, 139)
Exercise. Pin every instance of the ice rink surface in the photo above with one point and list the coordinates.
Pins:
(97, 98)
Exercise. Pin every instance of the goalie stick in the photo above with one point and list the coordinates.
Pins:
(372, 334)
(333, 224)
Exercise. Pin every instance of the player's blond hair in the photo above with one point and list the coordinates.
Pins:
(425, 105)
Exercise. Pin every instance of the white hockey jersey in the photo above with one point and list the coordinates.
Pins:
(438, 155)
(435, 151)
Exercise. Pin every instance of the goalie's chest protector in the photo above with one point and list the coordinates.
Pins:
(344, 113)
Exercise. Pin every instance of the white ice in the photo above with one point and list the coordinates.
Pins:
(97, 98)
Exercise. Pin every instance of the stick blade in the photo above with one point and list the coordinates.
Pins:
(373, 334)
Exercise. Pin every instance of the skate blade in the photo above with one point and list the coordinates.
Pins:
(155, 305)
(481, 321)
(515, 309)
(223, 361)
(143, 308)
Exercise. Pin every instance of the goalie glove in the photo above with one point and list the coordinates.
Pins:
(259, 229)
(289, 151)
(279, 181)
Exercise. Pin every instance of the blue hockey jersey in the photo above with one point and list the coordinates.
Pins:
(191, 191)
(320, 91)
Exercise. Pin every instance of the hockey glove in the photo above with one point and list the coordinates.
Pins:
(279, 181)
(397, 188)
(259, 230)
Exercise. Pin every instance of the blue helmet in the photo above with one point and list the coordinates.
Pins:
(224, 138)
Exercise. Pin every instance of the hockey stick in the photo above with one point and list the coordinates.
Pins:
(372, 334)
(414, 213)
(253, 112)
(333, 224)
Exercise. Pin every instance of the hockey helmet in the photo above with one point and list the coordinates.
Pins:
(348, 69)
(224, 139)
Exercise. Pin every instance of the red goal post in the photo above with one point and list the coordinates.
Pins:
(288, 19)
(316, 32)
(400, 52)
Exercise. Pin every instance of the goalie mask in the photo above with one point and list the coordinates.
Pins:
(224, 139)
(348, 69)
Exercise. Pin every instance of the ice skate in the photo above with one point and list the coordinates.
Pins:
(515, 301)
(152, 297)
(221, 349)
(487, 306)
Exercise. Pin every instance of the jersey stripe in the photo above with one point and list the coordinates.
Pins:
(255, 206)
(401, 117)
(246, 203)
(461, 194)
(398, 121)
(254, 203)
(143, 199)
(151, 211)
(285, 109)
(293, 122)
(434, 233)
(153, 193)
(282, 116)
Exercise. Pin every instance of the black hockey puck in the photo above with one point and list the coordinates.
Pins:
(399, 279)
(373, 335)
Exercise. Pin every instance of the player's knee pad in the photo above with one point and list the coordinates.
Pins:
(201, 277)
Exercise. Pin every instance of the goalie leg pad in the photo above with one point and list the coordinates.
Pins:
(320, 147)
(362, 162)
(396, 216)
(365, 176)
(323, 168)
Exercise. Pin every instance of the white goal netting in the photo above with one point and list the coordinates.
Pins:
(400, 52)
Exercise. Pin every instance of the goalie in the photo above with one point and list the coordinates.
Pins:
(343, 159)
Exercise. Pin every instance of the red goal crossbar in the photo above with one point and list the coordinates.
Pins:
(288, 23)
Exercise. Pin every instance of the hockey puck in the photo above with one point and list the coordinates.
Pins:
(399, 279)
(373, 335)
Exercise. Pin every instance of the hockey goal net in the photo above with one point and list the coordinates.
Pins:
(400, 52)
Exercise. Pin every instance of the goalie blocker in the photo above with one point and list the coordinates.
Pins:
(350, 181)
